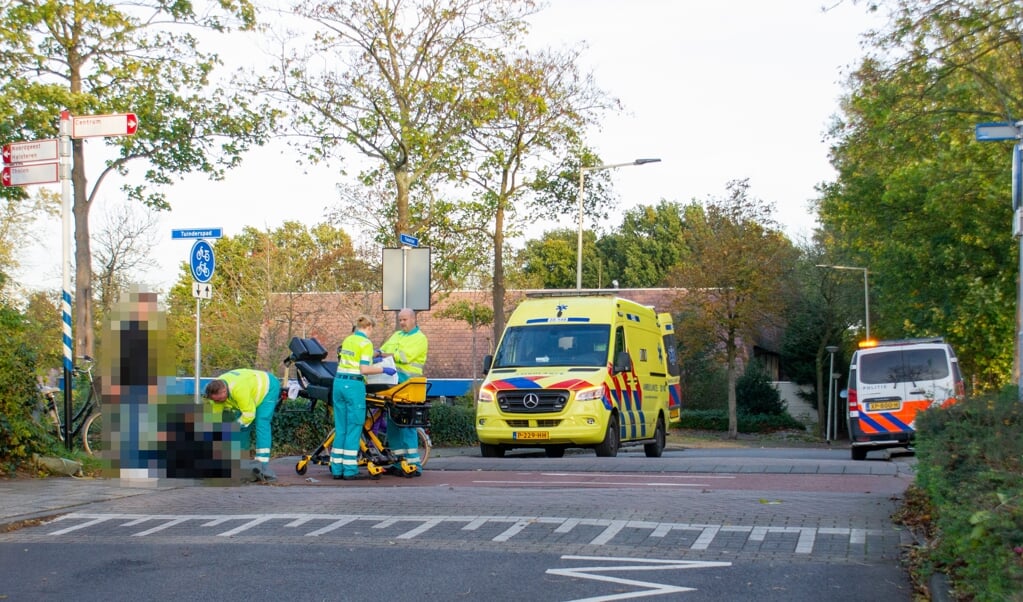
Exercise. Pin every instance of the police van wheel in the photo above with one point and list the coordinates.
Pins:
(491, 451)
(608, 448)
(655, 449)
(859, 453)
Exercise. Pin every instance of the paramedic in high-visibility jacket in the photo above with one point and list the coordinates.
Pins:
(253, 393)
(348, 395)
(408, 347)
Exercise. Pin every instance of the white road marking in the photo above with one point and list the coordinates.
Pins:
(514, 525)
(643, 564)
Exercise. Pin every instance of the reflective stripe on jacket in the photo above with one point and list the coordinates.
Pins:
(245, 391)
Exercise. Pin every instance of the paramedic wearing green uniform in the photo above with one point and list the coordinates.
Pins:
(354, 362)
(253, 393)
(408, 347)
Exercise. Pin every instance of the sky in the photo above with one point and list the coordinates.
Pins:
(718, 90)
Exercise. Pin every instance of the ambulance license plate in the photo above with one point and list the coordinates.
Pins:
(532, 435)
(877, 406)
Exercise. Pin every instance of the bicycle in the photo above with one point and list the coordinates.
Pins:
(86, 421)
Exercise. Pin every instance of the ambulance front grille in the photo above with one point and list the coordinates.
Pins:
(542, 401)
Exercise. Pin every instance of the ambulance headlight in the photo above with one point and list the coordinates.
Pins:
(485, 395)
(589, 394)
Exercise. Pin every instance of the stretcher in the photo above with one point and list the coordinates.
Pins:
(405, 403)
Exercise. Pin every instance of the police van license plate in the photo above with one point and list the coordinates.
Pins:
(878, 406)
(532, 435)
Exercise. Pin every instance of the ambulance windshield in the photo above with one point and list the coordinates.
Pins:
(544, 345)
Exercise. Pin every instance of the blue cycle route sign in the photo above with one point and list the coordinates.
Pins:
(202, 261)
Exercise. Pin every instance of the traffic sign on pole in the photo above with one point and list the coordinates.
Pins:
(202, 290)
(23, 175)
(407, 239)
(997, 130)
(202, 261)
(89, 126)
(31, 151)
(181, 234)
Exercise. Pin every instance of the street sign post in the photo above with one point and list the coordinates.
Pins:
(997, 130)
(185, 233)
(36, 173)
(1012, 130)
(31, 151)
(118, 124)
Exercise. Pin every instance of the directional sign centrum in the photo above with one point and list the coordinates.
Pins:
(33, 150)
(998, 130)
(119, 124)
(23, 175)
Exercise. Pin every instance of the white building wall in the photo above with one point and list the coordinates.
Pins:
(798, 408)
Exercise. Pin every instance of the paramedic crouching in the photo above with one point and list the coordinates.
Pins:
(408, 347)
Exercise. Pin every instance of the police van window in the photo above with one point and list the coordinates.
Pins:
(903, 366)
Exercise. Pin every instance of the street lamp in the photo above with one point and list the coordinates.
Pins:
(582, 175)
(866, 290)
(831, 349)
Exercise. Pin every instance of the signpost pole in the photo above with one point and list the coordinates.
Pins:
(65, 297)
(993, 132)
(198, 359)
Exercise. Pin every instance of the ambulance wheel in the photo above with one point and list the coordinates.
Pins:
(491, 451)
(554, 451)
(608, 448)
(655, 449)
(301, 467)
(859, 453)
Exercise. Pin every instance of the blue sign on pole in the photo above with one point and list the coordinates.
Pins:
(196, 233)
(409, 240)
(202, 261)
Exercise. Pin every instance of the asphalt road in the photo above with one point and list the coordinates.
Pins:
(778, 524)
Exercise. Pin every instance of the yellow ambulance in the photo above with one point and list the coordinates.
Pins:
(580, 369)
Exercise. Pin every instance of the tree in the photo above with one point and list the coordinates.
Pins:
(736, 277)
(91, 57)
(402, 85)
(644, 249)
(532, 111)
(549, 261)
(123, 249)
(917, 200)
(476, 316)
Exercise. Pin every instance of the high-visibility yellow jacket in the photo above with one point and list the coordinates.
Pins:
(409, 351)
(355, 351)
(245, 391)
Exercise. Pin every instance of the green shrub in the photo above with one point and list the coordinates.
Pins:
(754, 393)
(452, 425)
(20, 436)
(717, 420)
(296, 430)
(704, 384)
(970, 466)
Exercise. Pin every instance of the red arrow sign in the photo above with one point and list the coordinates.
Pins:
(28, 152)
(23, 175)
(90, 126)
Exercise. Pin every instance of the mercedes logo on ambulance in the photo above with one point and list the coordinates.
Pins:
(531, 400)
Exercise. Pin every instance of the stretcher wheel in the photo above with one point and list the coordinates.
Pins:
(302, 465)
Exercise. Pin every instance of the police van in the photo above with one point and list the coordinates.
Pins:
(890, 382)
(589, 370)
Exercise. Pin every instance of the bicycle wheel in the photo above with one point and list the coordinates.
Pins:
(425, 445)
(92, 434)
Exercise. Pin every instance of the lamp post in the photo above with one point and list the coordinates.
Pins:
(866, 290)
(579, 245)
(831, 349)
